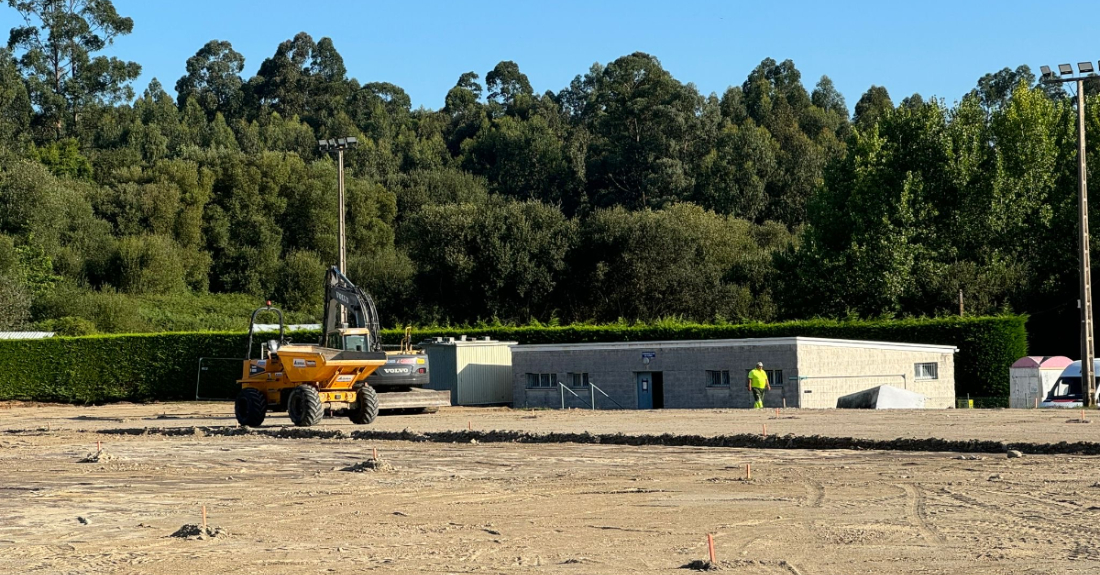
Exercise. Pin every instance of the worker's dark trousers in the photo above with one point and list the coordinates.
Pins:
(758, 398)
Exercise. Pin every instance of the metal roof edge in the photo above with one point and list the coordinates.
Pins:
(747, 342)
(898, 346)
(474, 343)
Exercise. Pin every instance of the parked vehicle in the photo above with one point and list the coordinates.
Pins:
(1067, 391)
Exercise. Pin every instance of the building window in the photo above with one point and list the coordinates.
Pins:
(718, 378)
(542, 380)
(928, 370)
(578, 379)
(775, 376)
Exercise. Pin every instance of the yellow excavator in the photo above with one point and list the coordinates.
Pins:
(305, 379)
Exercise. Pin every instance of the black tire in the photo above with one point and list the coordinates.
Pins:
(304, 406)
(365, 408)
(251, 407)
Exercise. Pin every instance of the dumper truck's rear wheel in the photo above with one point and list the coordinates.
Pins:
(365, 408)
(304, 406)
(251, 407)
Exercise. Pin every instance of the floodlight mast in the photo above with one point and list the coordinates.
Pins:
(1088, 349)
(339, 145)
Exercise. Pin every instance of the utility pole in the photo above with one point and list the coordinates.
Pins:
(1088, 355)
(1088, 349)
(343, 235)
(339, 145)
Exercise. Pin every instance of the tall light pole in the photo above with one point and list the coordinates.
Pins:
(339, 145)
(1088, 350)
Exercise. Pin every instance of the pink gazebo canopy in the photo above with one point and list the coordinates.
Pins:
(1043, 362)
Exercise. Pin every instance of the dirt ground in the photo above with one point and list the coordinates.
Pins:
(295, 506)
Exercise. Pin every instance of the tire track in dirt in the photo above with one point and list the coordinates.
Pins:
(1082, 539)
(816, 496)
(916, 512)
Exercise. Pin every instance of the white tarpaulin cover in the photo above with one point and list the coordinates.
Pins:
(882, 397)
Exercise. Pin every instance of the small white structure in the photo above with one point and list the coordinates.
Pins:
(475, 371)
(26, 334)
(268, 327)
(882, 397)
(1032, 377)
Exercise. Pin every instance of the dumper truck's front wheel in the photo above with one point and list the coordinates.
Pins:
(365, 408)
(304, 406)
(251, 407)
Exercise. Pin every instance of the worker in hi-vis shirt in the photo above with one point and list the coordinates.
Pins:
(758, 382)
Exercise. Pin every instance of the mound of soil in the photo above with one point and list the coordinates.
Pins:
(192, 531)
(100, 456)
(701, 565)
(370, 465)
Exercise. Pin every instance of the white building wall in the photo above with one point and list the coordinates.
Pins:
(1030, 383)
(828, 372)
(484, 374)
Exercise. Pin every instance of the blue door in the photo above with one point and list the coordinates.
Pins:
(645, 390)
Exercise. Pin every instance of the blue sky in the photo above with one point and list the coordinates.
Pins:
(935, 47)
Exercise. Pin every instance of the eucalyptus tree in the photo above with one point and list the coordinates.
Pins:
(56, 49)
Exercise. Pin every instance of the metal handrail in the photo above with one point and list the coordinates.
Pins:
(565, 389)
(593, 386)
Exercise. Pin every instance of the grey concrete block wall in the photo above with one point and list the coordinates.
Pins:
(683, 368)
(812, 371)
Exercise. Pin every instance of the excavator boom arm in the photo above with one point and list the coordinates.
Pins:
(346, 303)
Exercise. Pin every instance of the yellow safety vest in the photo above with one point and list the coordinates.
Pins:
(758, 378)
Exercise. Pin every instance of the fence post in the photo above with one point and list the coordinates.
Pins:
(592, 392)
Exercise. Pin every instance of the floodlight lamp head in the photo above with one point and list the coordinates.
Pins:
(1045, 70)
(1065, 69)
(1085, 67)
(352, 141)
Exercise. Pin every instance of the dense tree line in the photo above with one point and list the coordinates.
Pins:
(627, 194)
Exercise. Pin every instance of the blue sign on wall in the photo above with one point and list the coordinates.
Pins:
(649, 354)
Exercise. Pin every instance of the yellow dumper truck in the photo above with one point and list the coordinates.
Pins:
(305, 379)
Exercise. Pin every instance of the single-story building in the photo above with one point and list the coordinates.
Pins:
(804, 372)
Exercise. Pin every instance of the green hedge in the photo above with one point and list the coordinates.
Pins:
(97, 369)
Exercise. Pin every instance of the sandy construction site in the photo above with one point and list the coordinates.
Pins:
(443, 501)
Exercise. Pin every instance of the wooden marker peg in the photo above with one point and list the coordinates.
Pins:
(748, 472)
(98, 446)
(710, 547)
(469, 425)
(777, 413)
(374, 453)
(204, 518)
(765, 430)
